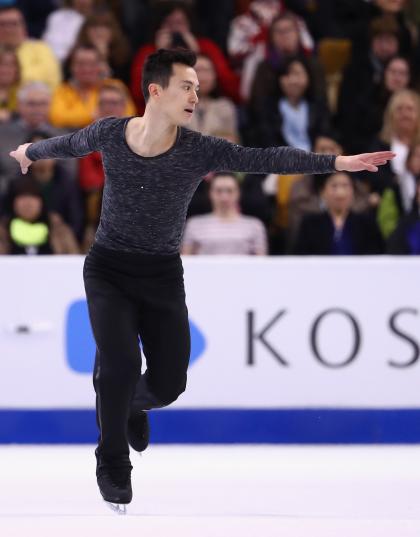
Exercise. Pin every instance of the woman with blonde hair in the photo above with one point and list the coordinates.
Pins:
(400, 130)
(401, 126)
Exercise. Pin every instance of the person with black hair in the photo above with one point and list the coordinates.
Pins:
(292, 114)
(338, 229)
(284, 40)
(59, 191)
(28, 228)
(174, 27)
(133, 273)
(24, 229)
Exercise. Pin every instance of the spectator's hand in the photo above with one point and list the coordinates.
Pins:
(365, 161)
(163, 39)
(191, 41)
(20, 155)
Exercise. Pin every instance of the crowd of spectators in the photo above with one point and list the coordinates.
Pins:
(330, 76)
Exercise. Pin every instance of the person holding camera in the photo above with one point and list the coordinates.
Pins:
(174, 28)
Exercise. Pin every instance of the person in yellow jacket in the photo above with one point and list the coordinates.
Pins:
(75, 102)
(36, 59)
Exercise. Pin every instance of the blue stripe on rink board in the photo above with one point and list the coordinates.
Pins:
(310, 426)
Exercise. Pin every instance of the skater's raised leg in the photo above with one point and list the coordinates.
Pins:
(165, 335)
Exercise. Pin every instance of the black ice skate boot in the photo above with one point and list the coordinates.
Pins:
(114, 481)
(138, 430)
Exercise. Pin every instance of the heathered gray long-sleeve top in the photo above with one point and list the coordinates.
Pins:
(145, 199)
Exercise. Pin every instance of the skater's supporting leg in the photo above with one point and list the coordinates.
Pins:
(114, 323)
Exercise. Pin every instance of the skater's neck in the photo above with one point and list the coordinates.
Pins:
(151, 134)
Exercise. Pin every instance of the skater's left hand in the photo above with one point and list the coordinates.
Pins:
(365, 161)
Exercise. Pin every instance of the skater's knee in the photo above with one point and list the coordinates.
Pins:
(167, 395)
(169, 398)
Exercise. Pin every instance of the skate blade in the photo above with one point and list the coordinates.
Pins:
(119, 508)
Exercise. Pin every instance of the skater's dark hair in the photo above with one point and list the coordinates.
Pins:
(158, 67)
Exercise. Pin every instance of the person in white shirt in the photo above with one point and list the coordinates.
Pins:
(225, 230)
(63, 26)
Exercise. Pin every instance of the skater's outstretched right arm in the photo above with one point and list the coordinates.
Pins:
(76, 144)
(226, 156)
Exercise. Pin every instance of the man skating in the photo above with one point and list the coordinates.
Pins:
(133, 273)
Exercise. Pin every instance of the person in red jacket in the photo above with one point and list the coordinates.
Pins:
(174, 29)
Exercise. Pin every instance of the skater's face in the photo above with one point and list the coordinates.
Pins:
(338, 193)
(178, 100)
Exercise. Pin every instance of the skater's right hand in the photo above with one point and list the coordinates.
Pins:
(20, 155)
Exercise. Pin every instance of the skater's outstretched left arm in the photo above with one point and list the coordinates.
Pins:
(225, 156)
(76, 144)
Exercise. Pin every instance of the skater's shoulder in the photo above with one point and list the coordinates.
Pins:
(113, 121)
(109, 126)
(197, 138)
(190, 135)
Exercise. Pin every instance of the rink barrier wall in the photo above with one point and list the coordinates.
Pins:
(284, 350)
(227, 426)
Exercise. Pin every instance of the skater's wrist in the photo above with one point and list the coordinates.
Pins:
(340, 163)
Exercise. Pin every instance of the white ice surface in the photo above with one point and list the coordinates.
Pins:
(216, 491)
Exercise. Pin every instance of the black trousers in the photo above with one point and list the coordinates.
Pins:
(135, 297)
